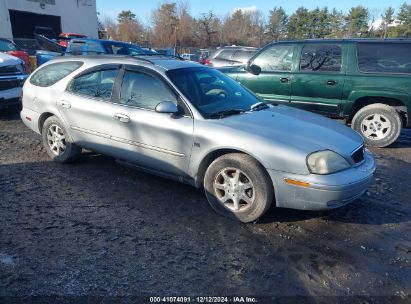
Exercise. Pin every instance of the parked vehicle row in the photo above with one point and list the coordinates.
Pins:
(194, 124)
(366, 82)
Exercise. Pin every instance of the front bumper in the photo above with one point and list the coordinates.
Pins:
(11, 89)
(324, 191)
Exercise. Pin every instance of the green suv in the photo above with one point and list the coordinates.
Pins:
(366, 82)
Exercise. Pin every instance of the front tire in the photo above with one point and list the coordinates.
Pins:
(379, 124)
(238, 187)
(57, 143)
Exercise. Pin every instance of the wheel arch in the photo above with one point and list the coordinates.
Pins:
(43, 117)
(212, 156)
(396, 103)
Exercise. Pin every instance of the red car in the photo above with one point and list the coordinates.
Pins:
(9, 47)
(69, 36)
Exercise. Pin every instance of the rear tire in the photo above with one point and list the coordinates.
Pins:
(57, 142)
(379, 124)
(238, 187)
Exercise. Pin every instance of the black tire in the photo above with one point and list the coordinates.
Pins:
(71, 151)
(262, 193)
(378, 115)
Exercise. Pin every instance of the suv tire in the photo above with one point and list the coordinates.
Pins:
(57, 143)
(379, 124)
(238, 187)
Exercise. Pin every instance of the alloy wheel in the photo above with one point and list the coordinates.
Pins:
(234, 189)
(375, 126)
(56, 139)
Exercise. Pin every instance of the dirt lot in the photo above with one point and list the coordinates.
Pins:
(97, 228)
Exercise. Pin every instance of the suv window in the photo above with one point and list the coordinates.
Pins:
(95, 84)
(276, 58)
(384, 57)
(54, 72)
(225, 54)
(144, 91)
(321, 58)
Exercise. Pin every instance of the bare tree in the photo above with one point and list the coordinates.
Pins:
(111, 27)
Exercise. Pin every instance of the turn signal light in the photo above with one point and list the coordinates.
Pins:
(296, 183)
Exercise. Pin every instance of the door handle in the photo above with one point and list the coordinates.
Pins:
(284, 80)
(331, 82)
(65, 104)
(122, 117)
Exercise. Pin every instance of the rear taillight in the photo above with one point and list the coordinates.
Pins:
(208, 62)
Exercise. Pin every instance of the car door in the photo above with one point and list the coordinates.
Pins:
(273, 84)
(85, 106)
(153, 140)
(318, 83)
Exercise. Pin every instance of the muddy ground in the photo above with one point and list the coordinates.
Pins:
(99, 229)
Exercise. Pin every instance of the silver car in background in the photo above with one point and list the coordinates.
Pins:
(230, 56)
(192, 123)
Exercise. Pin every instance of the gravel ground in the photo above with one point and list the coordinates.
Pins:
(95, 228)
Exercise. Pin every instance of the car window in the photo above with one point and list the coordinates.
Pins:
(384, 57)
(52, 73)
(94, 47)
(225, 54)
(122, 49)
(6, 46)
(243, 55)
(76, 48)
(321, 58)
(211, 91)
(95, 84)
(277, 58)
(144, 91)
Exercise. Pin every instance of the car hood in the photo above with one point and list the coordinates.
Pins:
(6, 60)
(305, 131)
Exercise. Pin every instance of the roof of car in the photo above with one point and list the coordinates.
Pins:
(161, 61)
(349, 40)
(101, 40)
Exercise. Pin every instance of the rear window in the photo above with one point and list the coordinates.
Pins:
(384, 57)
(225, 54)
(54, 72)
(244, 55)
(76, 48)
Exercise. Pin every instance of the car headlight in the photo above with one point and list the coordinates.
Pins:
(326, 162)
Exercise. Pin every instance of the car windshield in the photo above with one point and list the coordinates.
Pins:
(123, 49)
(212, 92)
(6, 46)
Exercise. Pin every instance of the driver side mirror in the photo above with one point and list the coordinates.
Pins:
(254, 69)
(167, 107)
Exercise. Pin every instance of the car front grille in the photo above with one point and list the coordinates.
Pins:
(9, 70)
(9, 84)
(358, 155)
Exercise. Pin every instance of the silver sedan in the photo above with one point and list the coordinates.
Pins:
(193, 124)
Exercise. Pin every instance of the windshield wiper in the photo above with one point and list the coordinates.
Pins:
(259, 106)
(224, 113)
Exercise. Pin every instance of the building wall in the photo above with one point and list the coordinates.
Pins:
(77, 16)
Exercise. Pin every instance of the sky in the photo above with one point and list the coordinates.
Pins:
(143, 8)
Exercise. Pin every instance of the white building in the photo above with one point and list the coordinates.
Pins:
(19, 18)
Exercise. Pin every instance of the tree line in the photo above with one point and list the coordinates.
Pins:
(172, 25)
